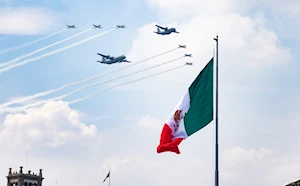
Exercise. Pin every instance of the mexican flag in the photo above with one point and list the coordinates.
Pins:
(193, 112)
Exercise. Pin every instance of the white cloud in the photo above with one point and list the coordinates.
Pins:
(25, 21)
(52, 125)
(149, 122)
(264, 164)
(114, 163)
(287, 166)
(228, 176)
(238, 155)
(86, 117)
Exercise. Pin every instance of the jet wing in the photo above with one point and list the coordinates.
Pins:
(103, 55)
(164, 28)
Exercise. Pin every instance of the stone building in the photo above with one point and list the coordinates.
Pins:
(15, 178)
(295, 183)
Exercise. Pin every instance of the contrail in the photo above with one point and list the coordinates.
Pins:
(44, 48)
(88, 86)
(19, 109)
(51, 53)
(87, 97)
(26, 44)
(20, 100)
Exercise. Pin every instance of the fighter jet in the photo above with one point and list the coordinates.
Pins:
(71, 26)
(120, 26)
(186, 63)
(112, 60)
(187, 55)
(182, 46)
(166, 30)
(97, 26)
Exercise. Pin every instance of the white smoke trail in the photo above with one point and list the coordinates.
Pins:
(20, 100)
(51, 53)
(19, 109)
(35, 41)
(44, 48)
(92, 95)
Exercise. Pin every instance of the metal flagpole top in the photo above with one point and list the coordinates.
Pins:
(217, 109)
(216, 38)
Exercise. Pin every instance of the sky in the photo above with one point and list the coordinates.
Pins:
(120, 129)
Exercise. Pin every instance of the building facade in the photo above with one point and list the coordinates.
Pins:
(15, 178)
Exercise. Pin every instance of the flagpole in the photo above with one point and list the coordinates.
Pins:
(109, 177)
(26, 160)
(217, 143)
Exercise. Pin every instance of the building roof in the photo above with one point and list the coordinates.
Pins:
(292, 183)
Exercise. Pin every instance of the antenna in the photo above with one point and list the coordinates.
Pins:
(26, 160)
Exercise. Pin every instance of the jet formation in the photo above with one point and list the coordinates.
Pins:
(107, 59)
(73, 26)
